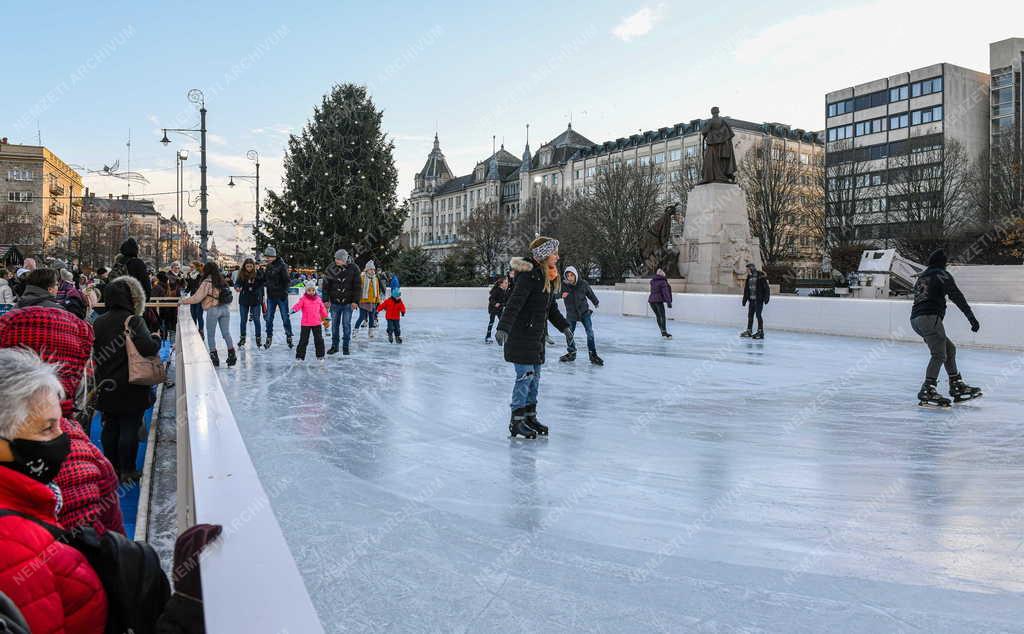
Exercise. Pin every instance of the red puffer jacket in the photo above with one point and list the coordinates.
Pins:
(50, 582)
(87, 480)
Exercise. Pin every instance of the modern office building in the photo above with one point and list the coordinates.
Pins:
(569, 163)
(1006, 59)
(40, 201)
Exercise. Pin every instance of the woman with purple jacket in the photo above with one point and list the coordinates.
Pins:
(661, 294)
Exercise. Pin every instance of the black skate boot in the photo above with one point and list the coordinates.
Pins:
(518, 426)
(288, 340)
(214, 358)
(960, 391)
(270, 339)
(596, 360)
(532, 422)
(241, 341)
(398, 338)
(333, 350)
(344, 350)
(928, 395)
(232, 359)
(549, 340)
(391, 338)
(487, 339)
(758, 335)
(665, 334)
(259, 342)
(746, 333)
(568, 357)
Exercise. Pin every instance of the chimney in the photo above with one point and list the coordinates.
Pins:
(110, 196)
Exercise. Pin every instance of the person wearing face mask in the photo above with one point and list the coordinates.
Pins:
(62, 592)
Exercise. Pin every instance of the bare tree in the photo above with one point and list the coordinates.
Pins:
(773, 188)
(487, 234)
(17, 227)
(620, 211)
(685, 179)
(836, 183)
(929, 197)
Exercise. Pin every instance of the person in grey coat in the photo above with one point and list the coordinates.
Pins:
(578, 296)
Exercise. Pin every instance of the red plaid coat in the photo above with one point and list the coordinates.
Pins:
(87, 480)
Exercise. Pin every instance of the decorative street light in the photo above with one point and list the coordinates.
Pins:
(180, 157)
(540, 196)
(252, 155)
(196, 96)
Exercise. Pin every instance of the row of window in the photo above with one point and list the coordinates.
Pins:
(895, 148)
(895, 122)
(17, 174)
(882, 97)
(19, 197)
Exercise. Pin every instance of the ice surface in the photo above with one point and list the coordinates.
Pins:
(702, 484)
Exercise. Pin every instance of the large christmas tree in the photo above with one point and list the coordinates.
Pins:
(339, 185)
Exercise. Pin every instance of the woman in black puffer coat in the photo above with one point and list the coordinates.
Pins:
(122, 404)
(523, 328)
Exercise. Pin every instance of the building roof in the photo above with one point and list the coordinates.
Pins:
(570, 138)
(436, 165)
(121, 205)
(454, 185)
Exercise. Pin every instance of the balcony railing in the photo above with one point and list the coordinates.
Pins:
(56, 209)
(57, 189)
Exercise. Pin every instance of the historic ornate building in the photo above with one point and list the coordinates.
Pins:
(569, 163)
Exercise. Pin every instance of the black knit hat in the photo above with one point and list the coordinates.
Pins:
(937, 259)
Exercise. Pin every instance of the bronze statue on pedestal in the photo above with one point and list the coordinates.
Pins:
(719, 158)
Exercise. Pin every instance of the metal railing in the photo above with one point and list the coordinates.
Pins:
(250, 580)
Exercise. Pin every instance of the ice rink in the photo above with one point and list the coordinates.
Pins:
(701, 484)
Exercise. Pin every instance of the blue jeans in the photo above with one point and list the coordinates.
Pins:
(369, 316)
(589, 327)
(272, 306)
(197, 315)
(527, 384)
(341, 315)
(244, 312)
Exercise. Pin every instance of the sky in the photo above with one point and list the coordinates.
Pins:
(83, 76)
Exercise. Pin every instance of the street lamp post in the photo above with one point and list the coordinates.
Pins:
(540, 196)
(180, 157)
(196, 96)
(252, 155)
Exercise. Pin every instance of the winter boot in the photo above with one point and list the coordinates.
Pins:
(532, 422)
(232, 359)
(960, 391)
(391, 338)
(241, 341)
(596, 360)
(344, 350)
(518, 427)
(928, 395)
(398, 338)
(746, 333)
(270, 339)
(333, 350)
(369, 332)
(567, 357)
(259, 342)
(214, 358)
(758, 335)
(487, 339)
(288, 340)
(549, 340)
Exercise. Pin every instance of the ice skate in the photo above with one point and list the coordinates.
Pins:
(232, 359)
(391, 338)
(549, 340)
(259, 342)
(929, 397)
(532, 422)
(665, 334)
(596, 360)
(746, 333)
(270, 339)
(369, 332)
(568, 357)
(487, 339)
(398, 338)
(517, 426)
(758, 335)
(333, 350)
(344, 351)
(960, 391)
(241, 341)
(214, 359)
(288, 340)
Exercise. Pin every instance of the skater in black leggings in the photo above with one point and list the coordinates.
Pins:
(926, 317)
(661, 294)
(757, 293)
(496, 303)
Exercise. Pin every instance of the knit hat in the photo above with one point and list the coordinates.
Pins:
(396, 293)
(59, 265)
(21, 272)
(937, 259)
(310, 284)
(341, 254)
(67, 275)
(370, 266)
(542, 247)
(187, 550)
(270, 252)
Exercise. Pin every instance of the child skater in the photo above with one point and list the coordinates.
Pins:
(314, 317)
(578, 296)
(394, 310)
(496, 303)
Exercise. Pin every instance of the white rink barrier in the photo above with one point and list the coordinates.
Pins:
(871, 318)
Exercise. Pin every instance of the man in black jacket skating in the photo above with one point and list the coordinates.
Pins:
(926, 318)
(496, 303)
(756, 294)
(277, 294)
(341, 289)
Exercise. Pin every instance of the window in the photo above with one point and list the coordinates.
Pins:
(691, 173)
(869, 127)
(926, 87)
(19, 197)
(659, 178)
(840, 133)
(899, 93)
(675, 155)
(645, 161)
(879, 98)
(676, 177)
(20, 175)
(545, 180)
(591, 171)
(579, 174)
(898, 121)
(630, 162)
(927, 115)
(839, 107)
(805, 159)
(554, 179)
(691, 151)
(659, 158)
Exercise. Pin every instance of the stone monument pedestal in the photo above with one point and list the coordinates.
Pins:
(716, 243)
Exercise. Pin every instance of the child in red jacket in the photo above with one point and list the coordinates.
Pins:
(314, 316)
(394, 310)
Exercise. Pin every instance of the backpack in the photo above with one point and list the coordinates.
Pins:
(136, 586)
(225, 296)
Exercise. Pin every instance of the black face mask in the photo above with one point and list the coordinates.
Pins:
(39, 460)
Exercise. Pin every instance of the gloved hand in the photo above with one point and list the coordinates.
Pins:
(975, 325)
(670, 306)
(501, 337)
(568, 336)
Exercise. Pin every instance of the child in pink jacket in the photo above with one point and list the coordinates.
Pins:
(314, 315)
